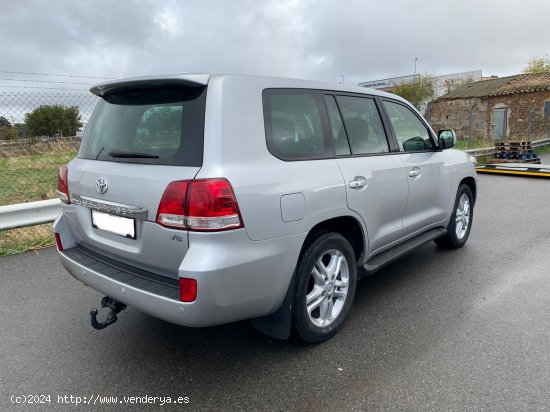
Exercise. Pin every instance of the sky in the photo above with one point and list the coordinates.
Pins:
(327, 40)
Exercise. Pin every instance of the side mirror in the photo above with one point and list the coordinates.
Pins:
(446, 139)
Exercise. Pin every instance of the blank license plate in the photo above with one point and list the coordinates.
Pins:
(122, 226)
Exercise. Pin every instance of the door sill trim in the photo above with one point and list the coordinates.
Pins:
(377, 262)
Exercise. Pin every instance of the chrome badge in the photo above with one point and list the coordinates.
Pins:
(101, 185)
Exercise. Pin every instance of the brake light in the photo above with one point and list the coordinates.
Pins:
(212, 206)
(171, 210)
(63, 184)
(201, 205)
(188, 289)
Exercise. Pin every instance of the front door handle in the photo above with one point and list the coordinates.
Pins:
(415, 172)
(358, 182)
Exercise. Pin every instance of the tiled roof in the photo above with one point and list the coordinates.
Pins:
(520, 83)
(525, 83)
(482, 88)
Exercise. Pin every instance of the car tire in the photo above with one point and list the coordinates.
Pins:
(326, 278)
(461, 220)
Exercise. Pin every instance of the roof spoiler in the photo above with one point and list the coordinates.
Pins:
(189, 80)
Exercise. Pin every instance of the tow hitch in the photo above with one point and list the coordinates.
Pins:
(114, 306)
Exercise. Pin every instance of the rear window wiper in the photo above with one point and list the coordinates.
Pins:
(133, 155)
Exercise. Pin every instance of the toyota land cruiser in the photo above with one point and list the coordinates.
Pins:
(203, 199)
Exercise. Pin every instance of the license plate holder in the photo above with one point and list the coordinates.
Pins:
(119, 225)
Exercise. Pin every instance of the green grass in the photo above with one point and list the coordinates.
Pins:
(27, 238)
(477, 143)
(25, 178)
(26, 246)
(542, 150)
(483, 160)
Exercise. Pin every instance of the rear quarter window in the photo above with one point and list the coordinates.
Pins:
(295, 124)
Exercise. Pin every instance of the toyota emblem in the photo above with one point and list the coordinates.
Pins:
(101, 185)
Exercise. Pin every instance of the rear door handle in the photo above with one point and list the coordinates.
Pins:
(358, 182)
(415, 172)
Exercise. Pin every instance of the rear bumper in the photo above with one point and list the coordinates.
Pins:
(236, 278)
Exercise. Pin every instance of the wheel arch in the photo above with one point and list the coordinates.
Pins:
(347, 226)
(471, 183)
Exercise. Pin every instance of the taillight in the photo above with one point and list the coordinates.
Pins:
(188, 290)
(171, 210)
(212, 206)
(201, 205)
(58, 242)
(63, 184)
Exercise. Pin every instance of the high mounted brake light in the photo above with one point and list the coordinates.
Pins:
(199, 205)
(63, 184)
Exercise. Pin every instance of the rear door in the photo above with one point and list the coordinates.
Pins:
(429, 179)
(138, 140)
(376, 182)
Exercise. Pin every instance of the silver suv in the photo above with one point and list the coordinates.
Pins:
(203, 199)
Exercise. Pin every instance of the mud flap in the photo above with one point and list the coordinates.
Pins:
(278, 325)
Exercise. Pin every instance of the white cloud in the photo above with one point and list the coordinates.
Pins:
(317, 39)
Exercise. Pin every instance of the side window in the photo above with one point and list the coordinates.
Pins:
(293, 124)
(341, 146)
(410, 132)
(363, 125)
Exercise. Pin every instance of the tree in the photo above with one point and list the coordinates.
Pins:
(4, 122)
(6, 130)
(422, 90)
(163, 119)
(538, 65)
(458, 82)
(53, 120)
(7, 133)
(21, 130)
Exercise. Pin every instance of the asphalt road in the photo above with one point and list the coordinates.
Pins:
(439, 330)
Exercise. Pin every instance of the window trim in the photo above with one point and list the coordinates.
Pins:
(330, 124)
(392, 145)
(435, 147)
(328, 153)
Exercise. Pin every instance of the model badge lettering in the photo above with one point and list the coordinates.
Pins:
(102, 207)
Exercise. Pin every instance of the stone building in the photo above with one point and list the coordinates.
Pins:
(508, 108)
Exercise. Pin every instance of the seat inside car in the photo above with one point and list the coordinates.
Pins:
(358, 134)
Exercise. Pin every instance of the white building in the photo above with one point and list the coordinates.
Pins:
(444, 82)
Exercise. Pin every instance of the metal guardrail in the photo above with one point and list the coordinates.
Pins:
(480, 152)
(29, 214)
(539, 143)
(490, 150)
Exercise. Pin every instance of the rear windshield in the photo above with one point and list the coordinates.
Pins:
(161, 126)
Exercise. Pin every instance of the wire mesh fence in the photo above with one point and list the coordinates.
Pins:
(29, 162)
